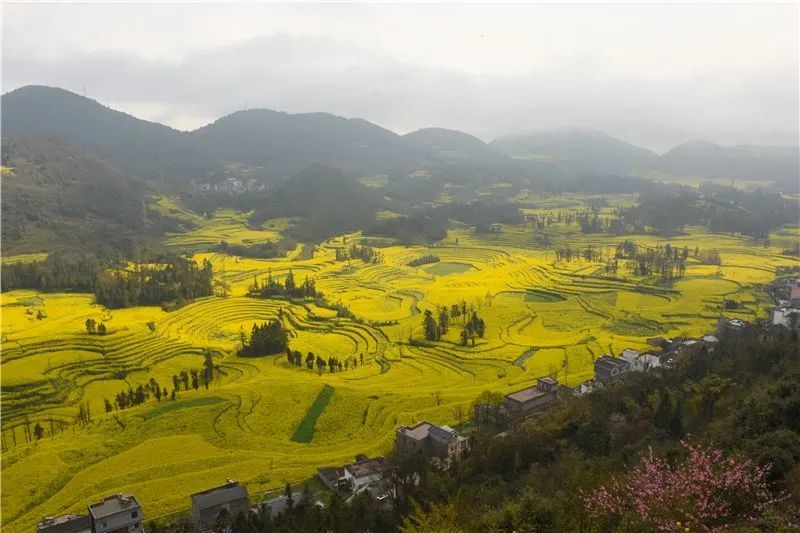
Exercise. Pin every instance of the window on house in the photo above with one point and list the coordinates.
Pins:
(134, 514)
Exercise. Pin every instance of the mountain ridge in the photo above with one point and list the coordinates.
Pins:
(275, 145)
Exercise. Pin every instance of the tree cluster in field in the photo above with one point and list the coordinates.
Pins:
(367, 254)
(333, 364)
(667, 210)
(112, 281)
(175, 279)
(93, 328)
(721, 209)
(596, 224)
(543, 220)
(271, 288)
(430, 225)
(424, 260)
(376, 243)
(436, 326)
(665, 262)
(184, 380)
(269, 338)
(261, 250)
(342, 311)
(41, 314)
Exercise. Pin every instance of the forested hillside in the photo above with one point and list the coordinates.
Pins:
(55, 193)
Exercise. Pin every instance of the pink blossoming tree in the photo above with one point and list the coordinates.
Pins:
(705, 492)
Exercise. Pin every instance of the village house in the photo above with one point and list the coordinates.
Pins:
(120, 512)
(633, 359)
(520, 404)
(608, 369)
(730, 325)
(649, 361)
(579, 390)
(787, 312)
(68, 523)
(364, 471)
(333, 478)
(528, 401)
(439, 443)
(277, 506)
(351, 477)
(207, 505)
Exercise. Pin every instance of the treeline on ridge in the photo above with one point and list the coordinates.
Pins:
(721, 209)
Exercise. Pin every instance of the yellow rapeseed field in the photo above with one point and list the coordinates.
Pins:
(542, 318)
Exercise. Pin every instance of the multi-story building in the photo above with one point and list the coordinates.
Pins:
(528, 401)
(440, 443)
(608, 369)
(120, 513)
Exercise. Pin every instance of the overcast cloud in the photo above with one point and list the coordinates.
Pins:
(656, 75)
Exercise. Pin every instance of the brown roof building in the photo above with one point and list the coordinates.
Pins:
(440, 443)
(531, 400)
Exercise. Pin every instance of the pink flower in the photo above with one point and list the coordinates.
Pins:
(706, 492)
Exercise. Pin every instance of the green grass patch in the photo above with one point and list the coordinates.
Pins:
(636, 327)
(602, 299)
(169, 406)
(305, 431)
(446, 269)
(541, 296)
(31, 301)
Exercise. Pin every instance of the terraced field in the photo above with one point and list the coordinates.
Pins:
(264, 422)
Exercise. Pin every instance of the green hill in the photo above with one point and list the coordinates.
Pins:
(56, 195)
(759, 163)
(577, 151)
(138, 147)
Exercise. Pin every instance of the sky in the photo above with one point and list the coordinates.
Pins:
(656, 75)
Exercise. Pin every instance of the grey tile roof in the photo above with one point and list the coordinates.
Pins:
(417, 432)
(526, 395)
(112, 505)
(219, 495)
(367, 468)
